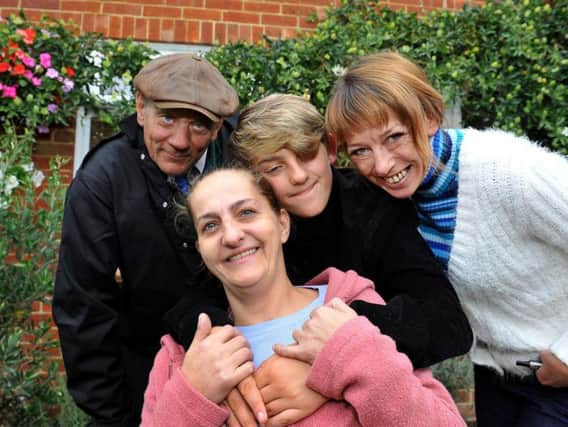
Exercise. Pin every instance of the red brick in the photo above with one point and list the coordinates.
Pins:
(206, 34)
(154, 29)
(304, 24)
(262, 7)
(288, 33)
(40, 4)
(245, 33)
(74, 18)
(88, 22)
(181, 30)
(162, 12)
(115, 27)
(36, 15)
(140, 29)
(122, 9)
(101, 24)
(256, 33)
(233, 32)
(297, 10)
(224, 4)
(246, 18)
(127, 27)
(273, 32)
(80, 6)
(327, 3)
(8, 3)
(280, 20)
(186, 3)
(148, 2)
(53, 149)
(201, 14)
(167, 30)
(220, 33)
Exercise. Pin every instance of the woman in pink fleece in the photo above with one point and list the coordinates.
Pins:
(359, 374)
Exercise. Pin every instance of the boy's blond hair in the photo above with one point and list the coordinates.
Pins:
(279, 121)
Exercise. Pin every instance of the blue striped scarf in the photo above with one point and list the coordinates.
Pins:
(436, 198)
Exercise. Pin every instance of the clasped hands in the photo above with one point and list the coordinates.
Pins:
(276, 393)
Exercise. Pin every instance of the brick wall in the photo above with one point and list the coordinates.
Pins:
(196, 21)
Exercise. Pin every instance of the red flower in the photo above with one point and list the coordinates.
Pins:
(70, 72)
(18, 70)
(28, 34)
(4, 66)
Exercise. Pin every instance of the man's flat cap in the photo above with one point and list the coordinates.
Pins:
(185, 80)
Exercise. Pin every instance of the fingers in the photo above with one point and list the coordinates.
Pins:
(232, 421)
(253, 398)
(241, 414)
(284, 418)
(203, 327)
(292, 351)
(339, 304)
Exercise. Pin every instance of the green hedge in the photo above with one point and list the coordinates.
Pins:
(507, 61)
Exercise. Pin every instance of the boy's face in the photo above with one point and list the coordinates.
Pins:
(302, 186)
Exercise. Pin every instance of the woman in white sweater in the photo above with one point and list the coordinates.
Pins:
(494, 209)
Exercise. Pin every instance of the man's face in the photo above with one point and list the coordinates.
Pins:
(175, 138)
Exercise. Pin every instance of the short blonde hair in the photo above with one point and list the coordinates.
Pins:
(279, 121)
(380, 84)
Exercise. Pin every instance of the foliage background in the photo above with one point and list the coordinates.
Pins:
(31, 206)
(506, 62)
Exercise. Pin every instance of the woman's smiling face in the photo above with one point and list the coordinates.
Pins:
(239, 234)
(388, 157)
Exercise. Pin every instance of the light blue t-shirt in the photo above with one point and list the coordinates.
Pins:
(264, 335)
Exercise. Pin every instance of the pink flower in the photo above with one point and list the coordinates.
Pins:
(68, 85)
(42, 129)
(28, 74)
(45, 60)
(36, 81)
(9, 92)
(52, 73)
(52, 108)
(28, 61)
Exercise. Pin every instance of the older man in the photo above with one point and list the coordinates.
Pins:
(121, 213)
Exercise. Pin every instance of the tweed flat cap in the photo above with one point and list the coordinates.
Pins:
(187, 81)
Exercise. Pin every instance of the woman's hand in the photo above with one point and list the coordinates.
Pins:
(553, 372)
(245, 405)
(215, 363)
(282, 384)
(315, 333)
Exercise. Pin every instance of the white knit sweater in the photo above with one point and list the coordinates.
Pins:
(509, 259)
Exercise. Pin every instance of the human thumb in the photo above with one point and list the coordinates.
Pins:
(203, 327)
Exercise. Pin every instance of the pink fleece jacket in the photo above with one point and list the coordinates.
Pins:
(368, 381)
